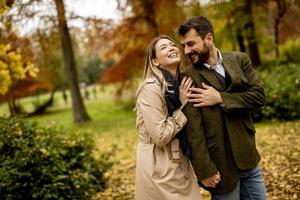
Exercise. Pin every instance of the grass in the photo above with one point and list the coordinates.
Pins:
(114, 125)
(105, 116)
(105, 113)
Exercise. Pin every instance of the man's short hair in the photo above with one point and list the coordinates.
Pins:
(201, 24)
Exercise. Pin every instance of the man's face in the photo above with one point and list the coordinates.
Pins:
(194, 47)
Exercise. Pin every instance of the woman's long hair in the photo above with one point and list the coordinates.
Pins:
(150, 70)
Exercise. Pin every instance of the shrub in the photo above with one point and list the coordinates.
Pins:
(282, 88)
(46, 163)
(291, 50)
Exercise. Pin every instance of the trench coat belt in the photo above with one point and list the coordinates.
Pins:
(173, 149)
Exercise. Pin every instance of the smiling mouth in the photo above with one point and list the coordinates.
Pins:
(193, 57)
(173, 55)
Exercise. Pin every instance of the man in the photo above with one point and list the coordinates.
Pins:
(220, 128)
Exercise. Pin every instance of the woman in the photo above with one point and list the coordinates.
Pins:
(163, 172)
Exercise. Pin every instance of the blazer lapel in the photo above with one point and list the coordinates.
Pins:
(233, 71)
(229, 67)
(210, 77)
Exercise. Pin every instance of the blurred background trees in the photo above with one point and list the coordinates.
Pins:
(79, 111)
(49, 51)
(109, 51)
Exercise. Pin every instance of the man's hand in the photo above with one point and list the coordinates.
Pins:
(212, 181)
(208, 96)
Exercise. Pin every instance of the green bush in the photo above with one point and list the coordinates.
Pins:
(47, 163)
(282, 88)
(291, 50)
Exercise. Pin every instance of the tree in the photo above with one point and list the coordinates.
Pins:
(279, 8)
(250, 34)
(27, 10)
(240, 21)
(5, 4)
(79, 112)
(143, 20)
(2, 6)
(12, 71)
(93, 69)
(49, 57)
(12, 68)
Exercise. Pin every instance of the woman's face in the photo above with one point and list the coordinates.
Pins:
(167, 54)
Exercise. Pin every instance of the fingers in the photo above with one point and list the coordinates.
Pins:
(205, 86)
(195, 99)
(199, 90)
(196, 90)
(189, 83)
(206, 183)
(218, 176)
(186, 83)
(213, 183)
(198, 105)
(195, 95)
(182, 82)
(210, 183)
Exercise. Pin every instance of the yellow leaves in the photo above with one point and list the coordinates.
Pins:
(3, 6)
(278, 145)
(121, 176)
(13, 69)
(44, 151)
(31, 70)
(5, 79)
(71, 143)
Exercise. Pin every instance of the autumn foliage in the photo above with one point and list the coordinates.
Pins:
(129, 39)
(12, 69)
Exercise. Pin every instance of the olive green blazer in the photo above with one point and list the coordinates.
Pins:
(222, 137)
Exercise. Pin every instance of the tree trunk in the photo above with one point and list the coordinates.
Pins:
(79, 112)
(149, 15)
(9, 3)
(12, 107)
(276, 36)
(42, 108)
(250, 35)
(240, 40)
(281, 10)
(231, 33)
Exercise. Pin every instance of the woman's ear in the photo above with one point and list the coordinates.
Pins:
(209, 39)
(155, 62)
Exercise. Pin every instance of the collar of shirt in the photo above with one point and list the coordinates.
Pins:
(217, 67)
(219, 62)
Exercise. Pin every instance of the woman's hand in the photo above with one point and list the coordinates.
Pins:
(184, 87)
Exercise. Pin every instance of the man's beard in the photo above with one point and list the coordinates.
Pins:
(202, 56)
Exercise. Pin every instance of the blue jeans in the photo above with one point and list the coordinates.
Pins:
(250, 187)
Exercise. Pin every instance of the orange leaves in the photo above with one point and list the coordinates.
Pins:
(278, 144)
(25, 88)
(129, 64)
(279, 147)
(128, 41)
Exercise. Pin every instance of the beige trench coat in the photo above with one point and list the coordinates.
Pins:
(162, 171)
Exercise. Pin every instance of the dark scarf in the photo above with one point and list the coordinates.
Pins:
(173, 103)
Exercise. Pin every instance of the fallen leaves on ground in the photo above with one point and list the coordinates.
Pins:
(278, 144)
